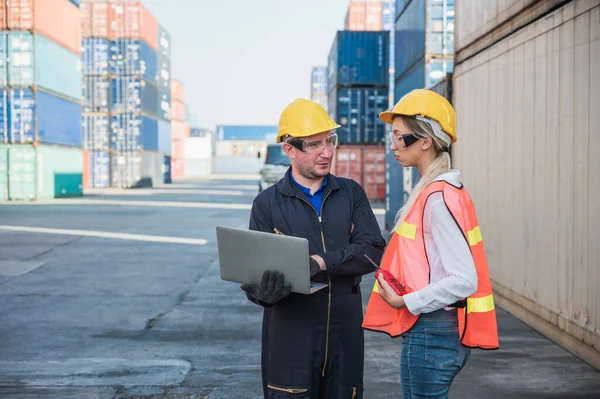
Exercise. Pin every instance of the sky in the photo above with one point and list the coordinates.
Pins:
(243, 61)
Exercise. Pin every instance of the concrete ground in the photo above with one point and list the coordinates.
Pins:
(118, 295)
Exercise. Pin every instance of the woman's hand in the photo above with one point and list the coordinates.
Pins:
(389, 295)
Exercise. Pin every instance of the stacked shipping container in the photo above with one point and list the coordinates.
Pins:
(318, 86)
(526, 93)
(180, 129)
(40, 109)
(126, 85)
(358, 76)
(424, 40)
(364, 16)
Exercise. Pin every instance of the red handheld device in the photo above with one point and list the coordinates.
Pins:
(389, 277)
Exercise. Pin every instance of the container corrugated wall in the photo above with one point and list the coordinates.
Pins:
(58, 20)
(533, 174)
(38, 58)
(358, 58)
(424, 41)
(40, 172)
(40, 103)
(356, 110)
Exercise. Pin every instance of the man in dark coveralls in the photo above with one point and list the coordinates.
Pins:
(313, 345)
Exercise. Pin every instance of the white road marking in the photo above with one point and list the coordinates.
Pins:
(167, 204)
(103, 234)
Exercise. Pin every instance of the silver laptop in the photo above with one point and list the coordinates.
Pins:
(245, 254)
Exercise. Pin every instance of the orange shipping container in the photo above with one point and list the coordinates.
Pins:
(178, 111)
(355, 18)
(364, 16)
(177, 91)
(178, 149)
(59, 20)
(130, 19)
(86, 170)
(180, 130)
(373, 16)
(95, 19)
(177, 168)
(365, 164)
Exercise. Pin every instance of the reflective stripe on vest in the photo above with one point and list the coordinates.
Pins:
(406, 258)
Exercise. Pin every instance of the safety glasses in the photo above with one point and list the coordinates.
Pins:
(403, 141)
(315, 146)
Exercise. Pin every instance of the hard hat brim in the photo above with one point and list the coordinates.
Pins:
(387, 117)
(279, 139)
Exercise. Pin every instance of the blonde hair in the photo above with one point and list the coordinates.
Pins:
(440, 165)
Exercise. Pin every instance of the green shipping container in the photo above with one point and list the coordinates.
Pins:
(42, 172)
(3, 174)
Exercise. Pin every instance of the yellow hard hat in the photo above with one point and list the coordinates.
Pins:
(427, 104)
(304, 118)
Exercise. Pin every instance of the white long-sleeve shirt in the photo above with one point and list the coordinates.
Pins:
(453, 273)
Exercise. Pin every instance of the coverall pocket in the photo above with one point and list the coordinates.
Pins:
(442, 347)
(281, 392)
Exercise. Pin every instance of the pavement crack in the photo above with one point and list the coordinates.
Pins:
(180, 299)
(64, 244)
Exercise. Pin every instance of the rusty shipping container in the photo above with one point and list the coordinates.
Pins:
(535, 96)
(177, 91)
(365, 164)
(119, 19)
(364, 16)
(58, 20)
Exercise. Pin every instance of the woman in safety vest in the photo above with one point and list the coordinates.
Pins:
(434, 288)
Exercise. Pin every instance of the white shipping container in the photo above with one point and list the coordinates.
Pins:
(197, 148)
(195, 168)
(153, 166)
(527, 112)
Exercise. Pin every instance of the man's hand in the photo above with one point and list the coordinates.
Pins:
(388, 294)
(272, 288)
(320, 263)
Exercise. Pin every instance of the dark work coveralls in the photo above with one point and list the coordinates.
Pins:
(313, 345)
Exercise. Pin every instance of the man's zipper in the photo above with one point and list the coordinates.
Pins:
(288, 390)
(328, 277)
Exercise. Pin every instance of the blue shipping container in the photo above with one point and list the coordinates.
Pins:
(125, 169)
(358, 58)
(164, 43)
(29, 116)
(133, 57)
(424, 28)
(96, 132)
(126, 132)
(229, 132)
(27, 67)
(95, 55)
(164, 74)
(164, 137)
(318, 80)
(149, 132)
(398, 186)
(75, 2)
(357, 111)
(99, 169)
(164, 105)
(412, 79)
(132, 94)
(410, 36)
(400, 6)
(167, 170)
(96, 94)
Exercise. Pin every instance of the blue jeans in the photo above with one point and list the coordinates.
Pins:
(432, 356)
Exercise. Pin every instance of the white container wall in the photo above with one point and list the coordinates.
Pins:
(528, 112)
(197, 147)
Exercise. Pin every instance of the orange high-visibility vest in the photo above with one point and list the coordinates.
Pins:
(406, 258)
